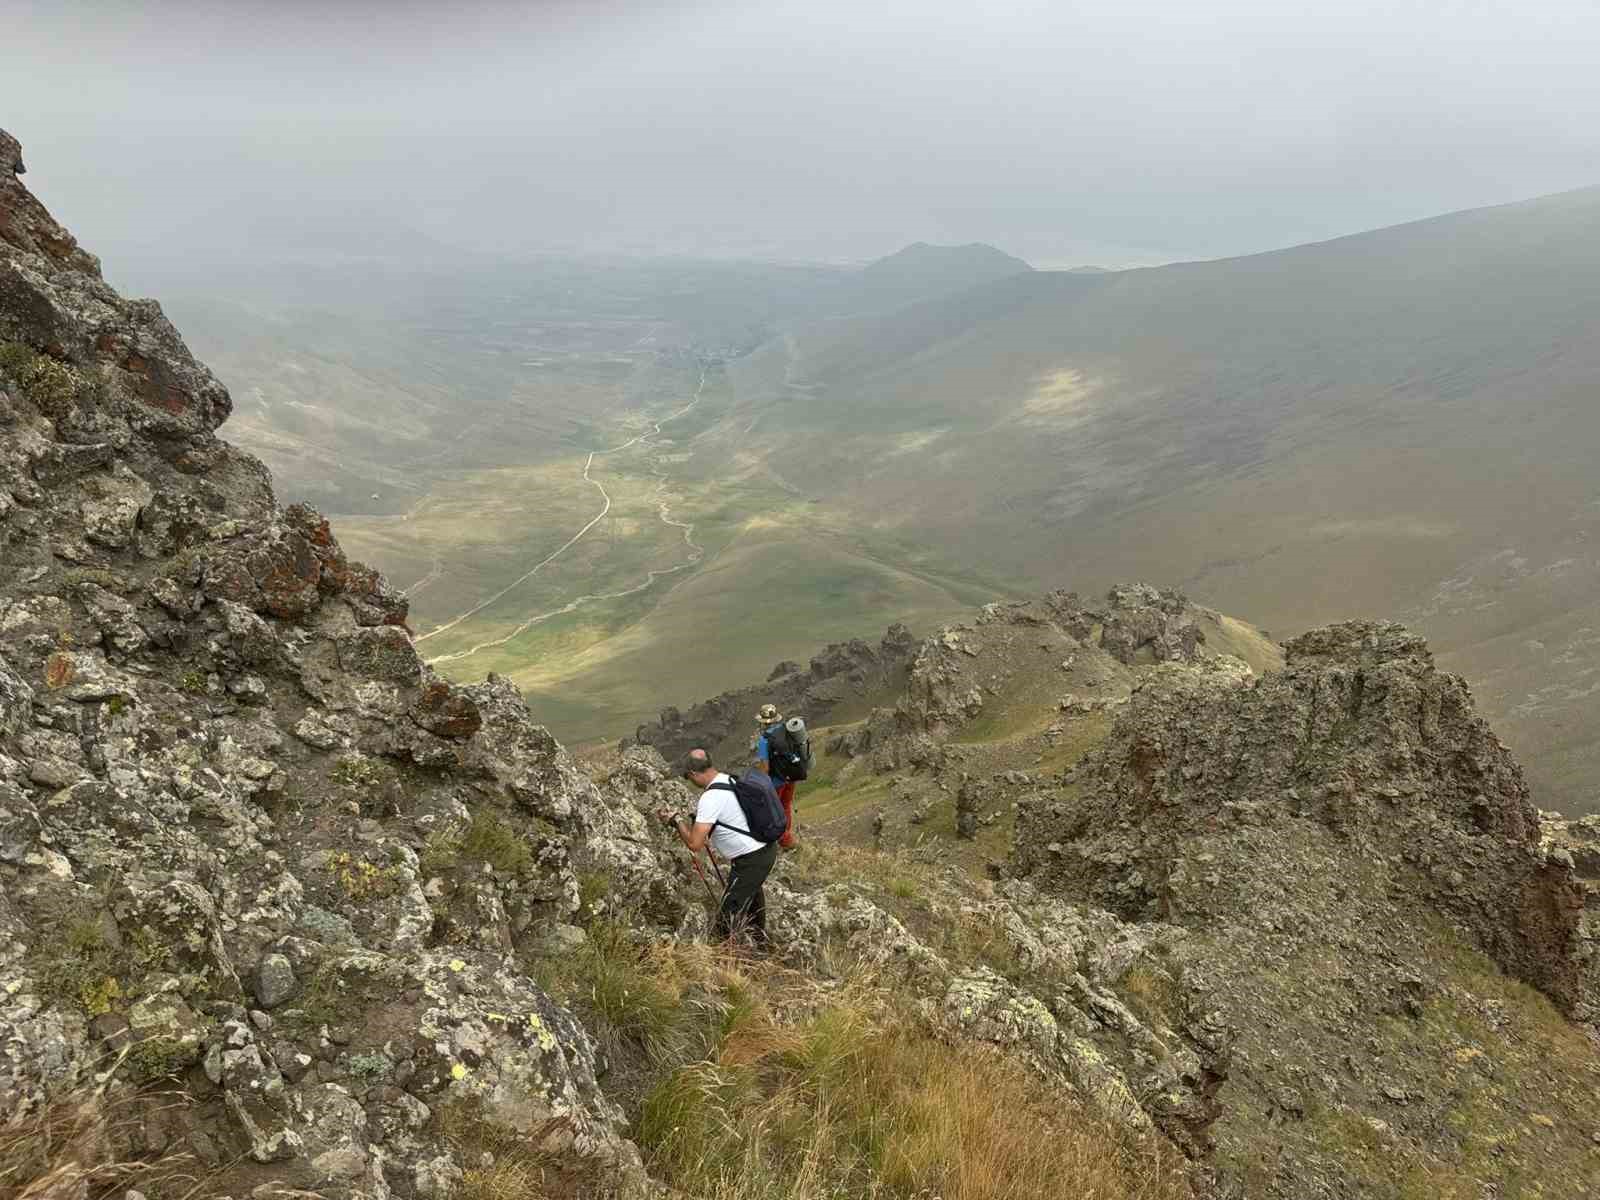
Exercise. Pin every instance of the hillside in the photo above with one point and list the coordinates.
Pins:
(444, 409)
(918, 273)
(1400, 421)
(1333, 858)
(1172, 912)
(284, 912)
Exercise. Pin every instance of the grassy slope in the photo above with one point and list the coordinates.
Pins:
(773, 582)
(766, 597)
(1509, 1079)
(1401, 423)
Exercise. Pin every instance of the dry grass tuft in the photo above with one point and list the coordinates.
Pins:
(813, 1093)
(73, 1147)
(503, 1163)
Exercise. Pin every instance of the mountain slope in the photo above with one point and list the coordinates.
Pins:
(283, 911)
(1337, 854)
(1398, 421)
(921, 272)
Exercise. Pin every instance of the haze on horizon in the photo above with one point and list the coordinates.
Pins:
(1088, 131)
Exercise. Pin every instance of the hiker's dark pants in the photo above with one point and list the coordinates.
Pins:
(744, 904)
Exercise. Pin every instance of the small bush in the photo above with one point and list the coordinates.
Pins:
(440, 853)
(637, 992)
(355, 771)
(488, 840)
(81, 967)
(361, 878)
(52, 386)
(156, 1058)
(594, 887)
(375, 1065)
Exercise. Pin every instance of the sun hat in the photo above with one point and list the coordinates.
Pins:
(768, 714)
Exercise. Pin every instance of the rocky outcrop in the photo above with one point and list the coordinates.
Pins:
(1057, 1005)
(1339, 838)
(1358, 748)
(1577, 843)
(247, 839)
(844, 672)
(135, 374)
(955, 670)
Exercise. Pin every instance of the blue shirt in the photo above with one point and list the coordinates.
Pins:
(762, 751)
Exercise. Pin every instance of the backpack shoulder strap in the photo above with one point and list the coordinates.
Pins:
(730, 784)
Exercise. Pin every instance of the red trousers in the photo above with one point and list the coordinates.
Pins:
(786, 797)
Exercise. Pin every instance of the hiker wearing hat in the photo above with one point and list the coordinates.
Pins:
(783, 751)
(741, 820)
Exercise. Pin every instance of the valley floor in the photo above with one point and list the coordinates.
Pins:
(608, 582)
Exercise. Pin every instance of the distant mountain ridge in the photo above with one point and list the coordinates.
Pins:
(922, 272)
(1399, 421)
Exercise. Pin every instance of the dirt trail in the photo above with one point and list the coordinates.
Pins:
(664, 512)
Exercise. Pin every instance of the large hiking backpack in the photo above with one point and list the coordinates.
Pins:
(763, 812)
(789, 750)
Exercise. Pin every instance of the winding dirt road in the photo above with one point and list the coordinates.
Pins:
(663, 511)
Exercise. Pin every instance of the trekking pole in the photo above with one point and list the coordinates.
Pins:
(701, 871)
(711, 858)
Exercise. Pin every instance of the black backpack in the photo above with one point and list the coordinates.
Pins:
(758, 802)
(788, 757)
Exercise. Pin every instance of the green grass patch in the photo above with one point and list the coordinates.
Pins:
(81, 967)
(51, 385)
(860, 1099)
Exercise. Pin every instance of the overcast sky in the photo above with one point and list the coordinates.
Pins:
(1110, 131)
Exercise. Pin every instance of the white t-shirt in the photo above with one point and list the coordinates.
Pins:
(719, 808)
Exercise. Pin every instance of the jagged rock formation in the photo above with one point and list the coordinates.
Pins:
(953, 671)
(1578, 843)
(222, 766)
(844, 672)
(1358, 742)
(1156, 1072)
(1327, 832)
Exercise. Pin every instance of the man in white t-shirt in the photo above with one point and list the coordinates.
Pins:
(719, 820)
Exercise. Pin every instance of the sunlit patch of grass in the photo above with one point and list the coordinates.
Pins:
(859, 1099)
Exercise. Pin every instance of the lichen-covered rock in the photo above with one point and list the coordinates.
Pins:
(1329, 835)
(1360, 746)
(274, 982)
(235, 807)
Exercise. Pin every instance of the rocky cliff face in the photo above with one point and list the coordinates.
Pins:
(247, 839)
(1336, 836)
(954, 675)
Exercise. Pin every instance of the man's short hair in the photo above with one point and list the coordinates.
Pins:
(696, 761)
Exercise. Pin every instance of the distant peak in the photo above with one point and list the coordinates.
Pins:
(968, 254)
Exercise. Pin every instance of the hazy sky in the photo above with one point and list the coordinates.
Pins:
(1114, 131)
